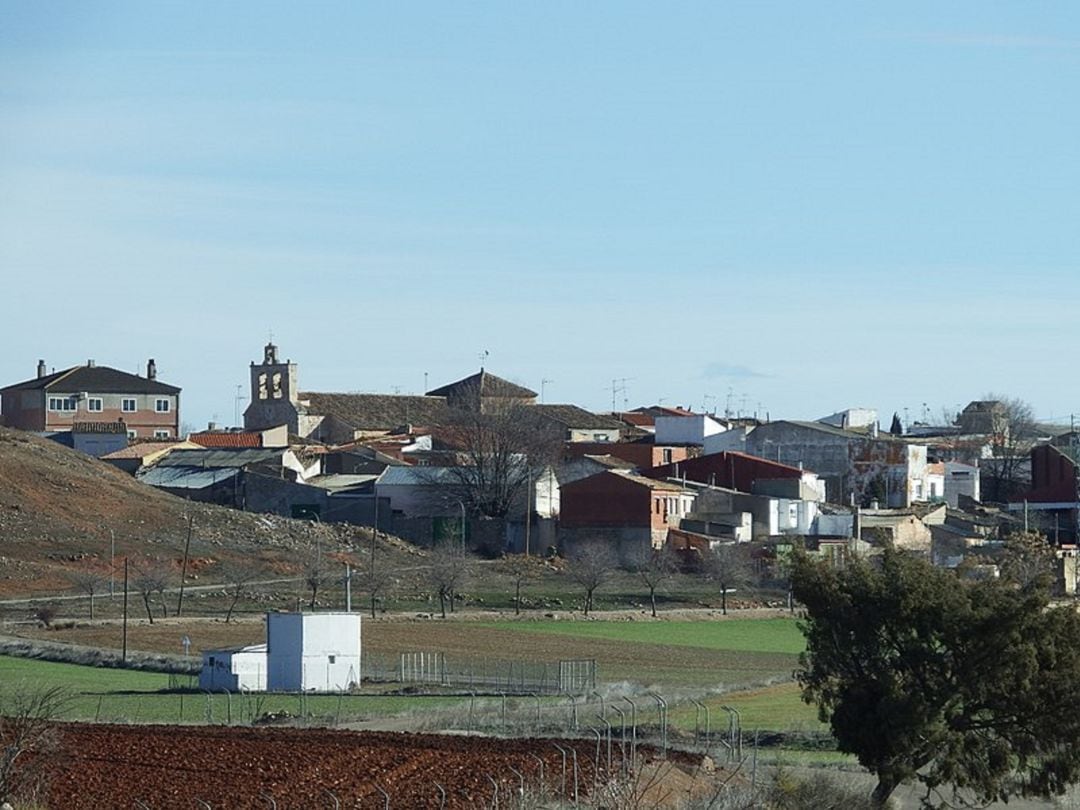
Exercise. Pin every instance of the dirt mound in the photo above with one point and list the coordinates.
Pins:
(178, 766)
(61, 510)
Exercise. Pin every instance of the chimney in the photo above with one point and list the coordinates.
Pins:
(90, 363)
(40, 369)
(151, 369)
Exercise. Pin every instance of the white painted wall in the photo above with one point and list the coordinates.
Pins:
(734, 439)
(312, 652)
(234, 669)
(686, 429)
(960, 479)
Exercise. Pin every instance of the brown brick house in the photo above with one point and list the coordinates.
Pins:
(624, 506)
(92, 394)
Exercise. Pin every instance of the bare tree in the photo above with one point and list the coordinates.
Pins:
(726, 566)
(653, 567)
(238, 576)
(497, 449)
(151, 577)
(1012, 430)
(591, 565)
(375, 582)
(522, 569)
(316, 575)
(91, 583)
(29, 741)
(448, 574)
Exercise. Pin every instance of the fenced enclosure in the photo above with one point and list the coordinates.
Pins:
(575, 676)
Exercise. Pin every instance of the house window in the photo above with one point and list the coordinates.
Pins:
(161, 406)
(133, 434)
(93, 404)
(600, 437)
(128, 405)
(333, 658)
(161, 434)
(62, 403)
(667, 455)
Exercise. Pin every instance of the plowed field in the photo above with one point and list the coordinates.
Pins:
(172, 767)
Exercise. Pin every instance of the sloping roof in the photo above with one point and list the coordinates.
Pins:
(149, 448)
(668, 486)
(377, 411)
(185, 477)
(416, 476)
(245, 438)
(821, 427)
(610, 461)
(574, 417)
(95, 380)
(488, 384)
(221, 457)
(338, 482)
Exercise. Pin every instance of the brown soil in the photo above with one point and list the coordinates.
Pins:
(60, 510)
(163, 766)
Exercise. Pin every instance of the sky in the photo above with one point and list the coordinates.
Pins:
(781, 208)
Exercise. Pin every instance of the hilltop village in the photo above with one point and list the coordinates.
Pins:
(485, 462)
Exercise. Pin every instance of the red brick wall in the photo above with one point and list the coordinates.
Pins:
(1053, 476)
(731, 470)
(640, 454)
(605, 500)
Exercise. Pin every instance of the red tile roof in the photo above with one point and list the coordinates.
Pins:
(227, 439)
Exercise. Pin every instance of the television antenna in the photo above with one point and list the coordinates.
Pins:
(543, 385)
(618, 386)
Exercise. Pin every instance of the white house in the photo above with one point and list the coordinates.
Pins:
(312, 652)
(234, 669)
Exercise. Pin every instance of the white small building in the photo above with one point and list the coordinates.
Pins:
(234, 669)
(312, 652)
(304, 652)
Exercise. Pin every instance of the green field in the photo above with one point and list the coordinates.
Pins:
(118, 695)
(676, 658)
(748, 635)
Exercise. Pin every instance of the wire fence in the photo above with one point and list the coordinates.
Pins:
(485, 675)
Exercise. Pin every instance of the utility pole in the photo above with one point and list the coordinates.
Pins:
(528, 505)
(112, 564)
(183, 566)
(123, 654)
(239, 398)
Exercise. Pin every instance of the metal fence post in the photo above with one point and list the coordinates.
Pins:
(633, 733)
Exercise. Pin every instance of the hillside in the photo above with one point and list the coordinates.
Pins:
(60, 509)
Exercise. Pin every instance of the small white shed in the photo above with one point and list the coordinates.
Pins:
(234, 668)
(312, 652)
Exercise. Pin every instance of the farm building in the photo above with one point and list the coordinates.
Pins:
(304, 652)
(312, 652)
(234, 668)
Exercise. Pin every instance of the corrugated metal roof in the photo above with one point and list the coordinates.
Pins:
(221, 457)
(340, 481)
(185, 477)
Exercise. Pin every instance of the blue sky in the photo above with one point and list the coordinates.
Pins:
(787, 206)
